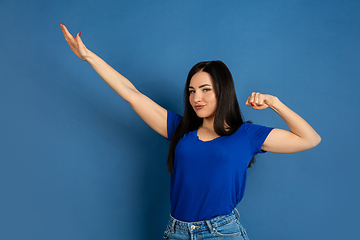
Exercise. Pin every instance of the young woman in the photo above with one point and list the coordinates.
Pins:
(211, 146)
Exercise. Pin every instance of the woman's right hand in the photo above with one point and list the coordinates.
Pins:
(152, 113)
(76, 45)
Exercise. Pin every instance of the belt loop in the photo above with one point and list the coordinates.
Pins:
(237, 214)
(173, 225)
(211, 229)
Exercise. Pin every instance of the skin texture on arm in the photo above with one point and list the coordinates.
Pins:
(153, 114)
(301, 135)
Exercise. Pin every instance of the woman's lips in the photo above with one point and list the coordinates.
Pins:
(198, 107)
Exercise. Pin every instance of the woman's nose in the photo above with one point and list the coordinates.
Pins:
(197, 97)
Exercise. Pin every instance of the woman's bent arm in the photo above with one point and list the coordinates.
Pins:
(301, 135)
(153, 114)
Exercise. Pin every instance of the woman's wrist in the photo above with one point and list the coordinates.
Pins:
(90, 56)
(275, 104)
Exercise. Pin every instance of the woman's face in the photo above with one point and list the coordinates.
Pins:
(202, 95)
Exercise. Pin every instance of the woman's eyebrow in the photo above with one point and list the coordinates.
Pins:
(204, 85)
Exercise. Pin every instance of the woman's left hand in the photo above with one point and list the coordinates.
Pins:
(301, 135)
(260, 101)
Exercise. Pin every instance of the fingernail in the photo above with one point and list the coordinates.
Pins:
(252, 104)
(79, 34)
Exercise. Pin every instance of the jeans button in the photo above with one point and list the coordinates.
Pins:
(193, 227)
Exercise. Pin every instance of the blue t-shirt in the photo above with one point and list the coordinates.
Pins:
(209, 177)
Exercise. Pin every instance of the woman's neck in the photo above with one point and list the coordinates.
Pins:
(206, 131)
(208, 123)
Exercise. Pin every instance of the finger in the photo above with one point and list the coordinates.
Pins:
(256, 98)
(66, 32)
(250, 100)
(81, 47)
(247, 103)
(78, 39)
(260, 99)
(64, 29)
(252, 97)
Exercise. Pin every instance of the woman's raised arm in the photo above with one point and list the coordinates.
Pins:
(301, 135)
(153, 114)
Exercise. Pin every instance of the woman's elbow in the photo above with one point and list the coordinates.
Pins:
(315, 141)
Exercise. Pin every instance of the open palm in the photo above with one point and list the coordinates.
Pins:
(76, 45)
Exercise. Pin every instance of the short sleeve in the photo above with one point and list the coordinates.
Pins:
(257, 135)
(173, 121)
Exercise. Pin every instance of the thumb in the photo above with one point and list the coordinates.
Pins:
(78, 39)
(81, 46)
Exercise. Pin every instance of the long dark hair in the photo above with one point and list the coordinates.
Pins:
(228, 117)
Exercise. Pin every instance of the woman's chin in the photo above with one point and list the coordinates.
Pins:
(204, 116)
(199, 115)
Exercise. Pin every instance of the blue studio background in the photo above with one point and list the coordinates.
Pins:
(77, 163)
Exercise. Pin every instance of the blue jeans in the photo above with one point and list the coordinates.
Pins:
(222, 227)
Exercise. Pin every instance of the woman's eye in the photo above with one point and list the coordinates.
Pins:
(207, 89)
(191, 91)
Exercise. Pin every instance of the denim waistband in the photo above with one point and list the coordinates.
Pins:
(203, 225)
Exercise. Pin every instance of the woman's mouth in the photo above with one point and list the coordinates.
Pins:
(198, 107)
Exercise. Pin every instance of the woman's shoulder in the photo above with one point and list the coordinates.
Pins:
(173, 121)
(244, 126)
(254, 130)
(171, 116)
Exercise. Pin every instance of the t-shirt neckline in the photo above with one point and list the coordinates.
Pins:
(212, 140)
